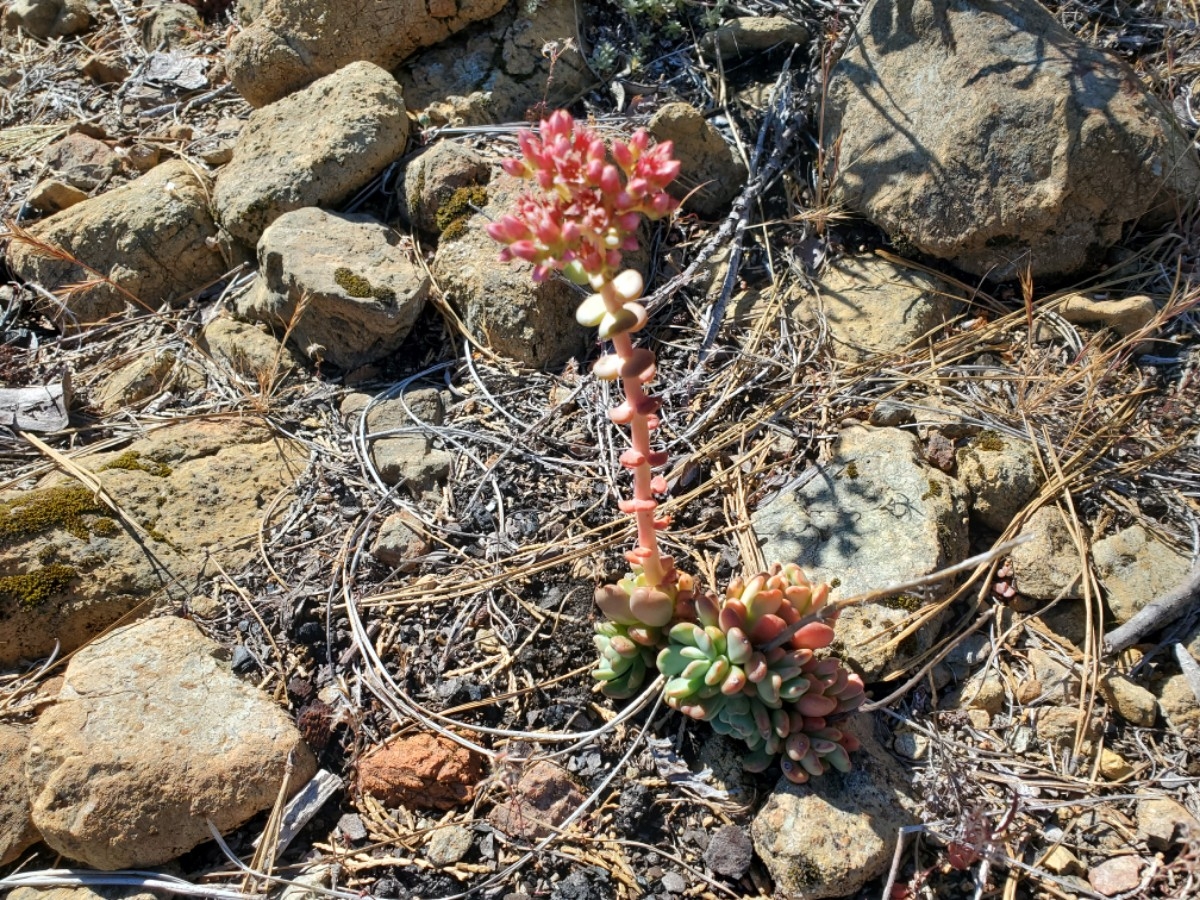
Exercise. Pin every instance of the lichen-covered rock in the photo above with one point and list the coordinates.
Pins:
(358, 126)
(502, 307)
(1002, 475)
(872, 306)
(69, 569)
(340, 286)
(291, 43)
(48, 18)
(438, 183)
(1048, 565)
(1134, 568)
(154, 238)
(712, 174)
(829, 837)
(502, 72)
(250, 351)
(17, 831)
(988, 135)
(153, 735)
(875, 515)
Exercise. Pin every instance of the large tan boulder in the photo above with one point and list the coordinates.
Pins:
(292, 43)
(154, 239)
(341, 286)
(987, 135)
(69, 569)
(151, 735)
(17, 832)
(314, 148)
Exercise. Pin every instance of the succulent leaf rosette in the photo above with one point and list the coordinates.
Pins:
(777, 700)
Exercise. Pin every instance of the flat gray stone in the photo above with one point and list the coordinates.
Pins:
(874, 515)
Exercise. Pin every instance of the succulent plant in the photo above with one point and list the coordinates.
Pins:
(778, 700)
(637, 615)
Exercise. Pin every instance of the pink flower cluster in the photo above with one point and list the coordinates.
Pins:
(588, 210)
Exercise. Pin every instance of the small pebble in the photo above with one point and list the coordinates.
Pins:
(1116, 876)
(729, 852)
(674, 883)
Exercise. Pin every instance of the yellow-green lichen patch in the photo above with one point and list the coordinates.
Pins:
(451, 217)
(41, 510)
(935, 490)
(906, 602)
(34, 588)
(360, 288)
(133, 461)
(104, 527)
(990, 441)
(835, 583)
(851, 469)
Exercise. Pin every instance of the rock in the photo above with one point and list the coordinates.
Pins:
(83, 162)
(17, 831)
(48, 18)
(910, 745)
(890, 414)
(139, 380)
(741, 37)
(712, 174)
(105, 68)
(421, 770)
(1114, 766)
(435, 178)
(151, 237)
(544, 796)
(249, 10)
(292, 43)
(1058, 681)
(875, 515)
(674, 883)
(1163, 822)
(531, 324)
(68, 569)
(248, 350)
(1135, 568)
(1065, 143)
(1062, 861)
(169, 26)
(1130, 701)
(875, 307)
(1177, 701)
(278, 167)
(1001, 474)
(829, 837)
(1048, 566)
(984, 690)
(1057, 727)
(126, 778)
(52, 195)
(448, 845)
(1116, 876)
(730, 852)
(1125, 316)
(399, 542)
(410, 458)
(357, 292)
(502, 71)
(82, 893)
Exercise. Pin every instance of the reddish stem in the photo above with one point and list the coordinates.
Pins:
(651, 560)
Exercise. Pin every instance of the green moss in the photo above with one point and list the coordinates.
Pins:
(104, 527)
(803, 872)
(451, 217)
(851, 469)
(48, 508)
(835, 583)
(990, 441)
(360, 288)
(906, 602)
(34, 588)
(935, 490)
(132, 461)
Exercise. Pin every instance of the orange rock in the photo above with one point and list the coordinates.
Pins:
(422, 770)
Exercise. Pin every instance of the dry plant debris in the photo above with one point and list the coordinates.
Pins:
(1035, 788)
